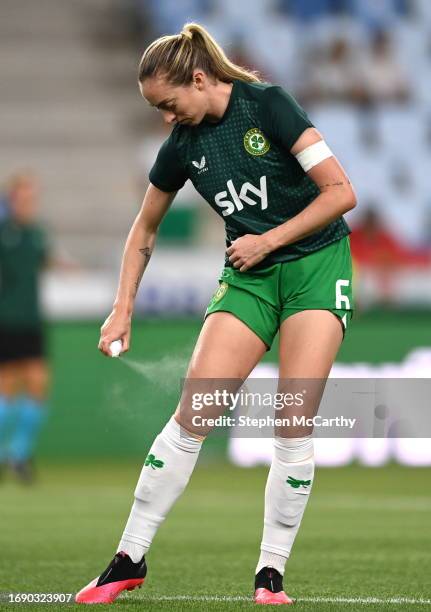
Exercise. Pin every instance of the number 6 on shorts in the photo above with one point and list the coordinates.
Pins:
(341, 301)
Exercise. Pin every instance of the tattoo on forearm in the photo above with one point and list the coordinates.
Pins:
(337, 184)
(146, 252)
(138, 280)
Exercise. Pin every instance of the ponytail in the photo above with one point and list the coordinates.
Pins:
(177, 56)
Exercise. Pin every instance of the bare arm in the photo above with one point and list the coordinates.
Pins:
(336, 198)
(137, 253)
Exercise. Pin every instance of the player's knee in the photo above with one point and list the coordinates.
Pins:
(10, 379)
(37, 380)
(184, 418)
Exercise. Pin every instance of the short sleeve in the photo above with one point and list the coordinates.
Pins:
(283, 119)
(167, 173)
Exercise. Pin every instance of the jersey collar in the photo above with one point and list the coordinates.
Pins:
(233, 94)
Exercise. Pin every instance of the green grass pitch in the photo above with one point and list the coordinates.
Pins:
(366, 534)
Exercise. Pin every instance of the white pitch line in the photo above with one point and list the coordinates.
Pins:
(346, 600)
(366, 600)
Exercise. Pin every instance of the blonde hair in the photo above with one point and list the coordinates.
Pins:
(176, 57)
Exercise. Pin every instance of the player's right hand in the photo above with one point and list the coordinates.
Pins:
(116, 327)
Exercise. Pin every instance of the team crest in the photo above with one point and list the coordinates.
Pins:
(255, 142)
(220, 292)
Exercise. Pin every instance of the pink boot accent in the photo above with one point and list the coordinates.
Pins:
(107, 593)
(264, 596)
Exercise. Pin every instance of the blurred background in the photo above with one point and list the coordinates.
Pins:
(77, 141)
(72, 122)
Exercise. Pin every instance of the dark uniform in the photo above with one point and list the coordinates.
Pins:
(23, 253)
(243, 167)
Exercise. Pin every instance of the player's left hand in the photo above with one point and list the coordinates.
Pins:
(247, 251)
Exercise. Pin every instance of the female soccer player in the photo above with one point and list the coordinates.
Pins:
(23, 367)
(254, 155)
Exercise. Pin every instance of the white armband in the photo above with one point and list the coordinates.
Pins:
(313, 155)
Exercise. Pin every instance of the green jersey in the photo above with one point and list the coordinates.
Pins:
(242, 166)
(23, 252)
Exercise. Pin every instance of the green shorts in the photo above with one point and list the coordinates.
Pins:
(265, 298)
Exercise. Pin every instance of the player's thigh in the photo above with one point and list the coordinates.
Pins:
(226, 347)
(36, 377)
(226, 352)
(309, 342)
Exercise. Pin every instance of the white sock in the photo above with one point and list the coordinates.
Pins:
(287, 490)
(166, 472)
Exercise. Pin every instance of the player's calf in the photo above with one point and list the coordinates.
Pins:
(164, 476)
